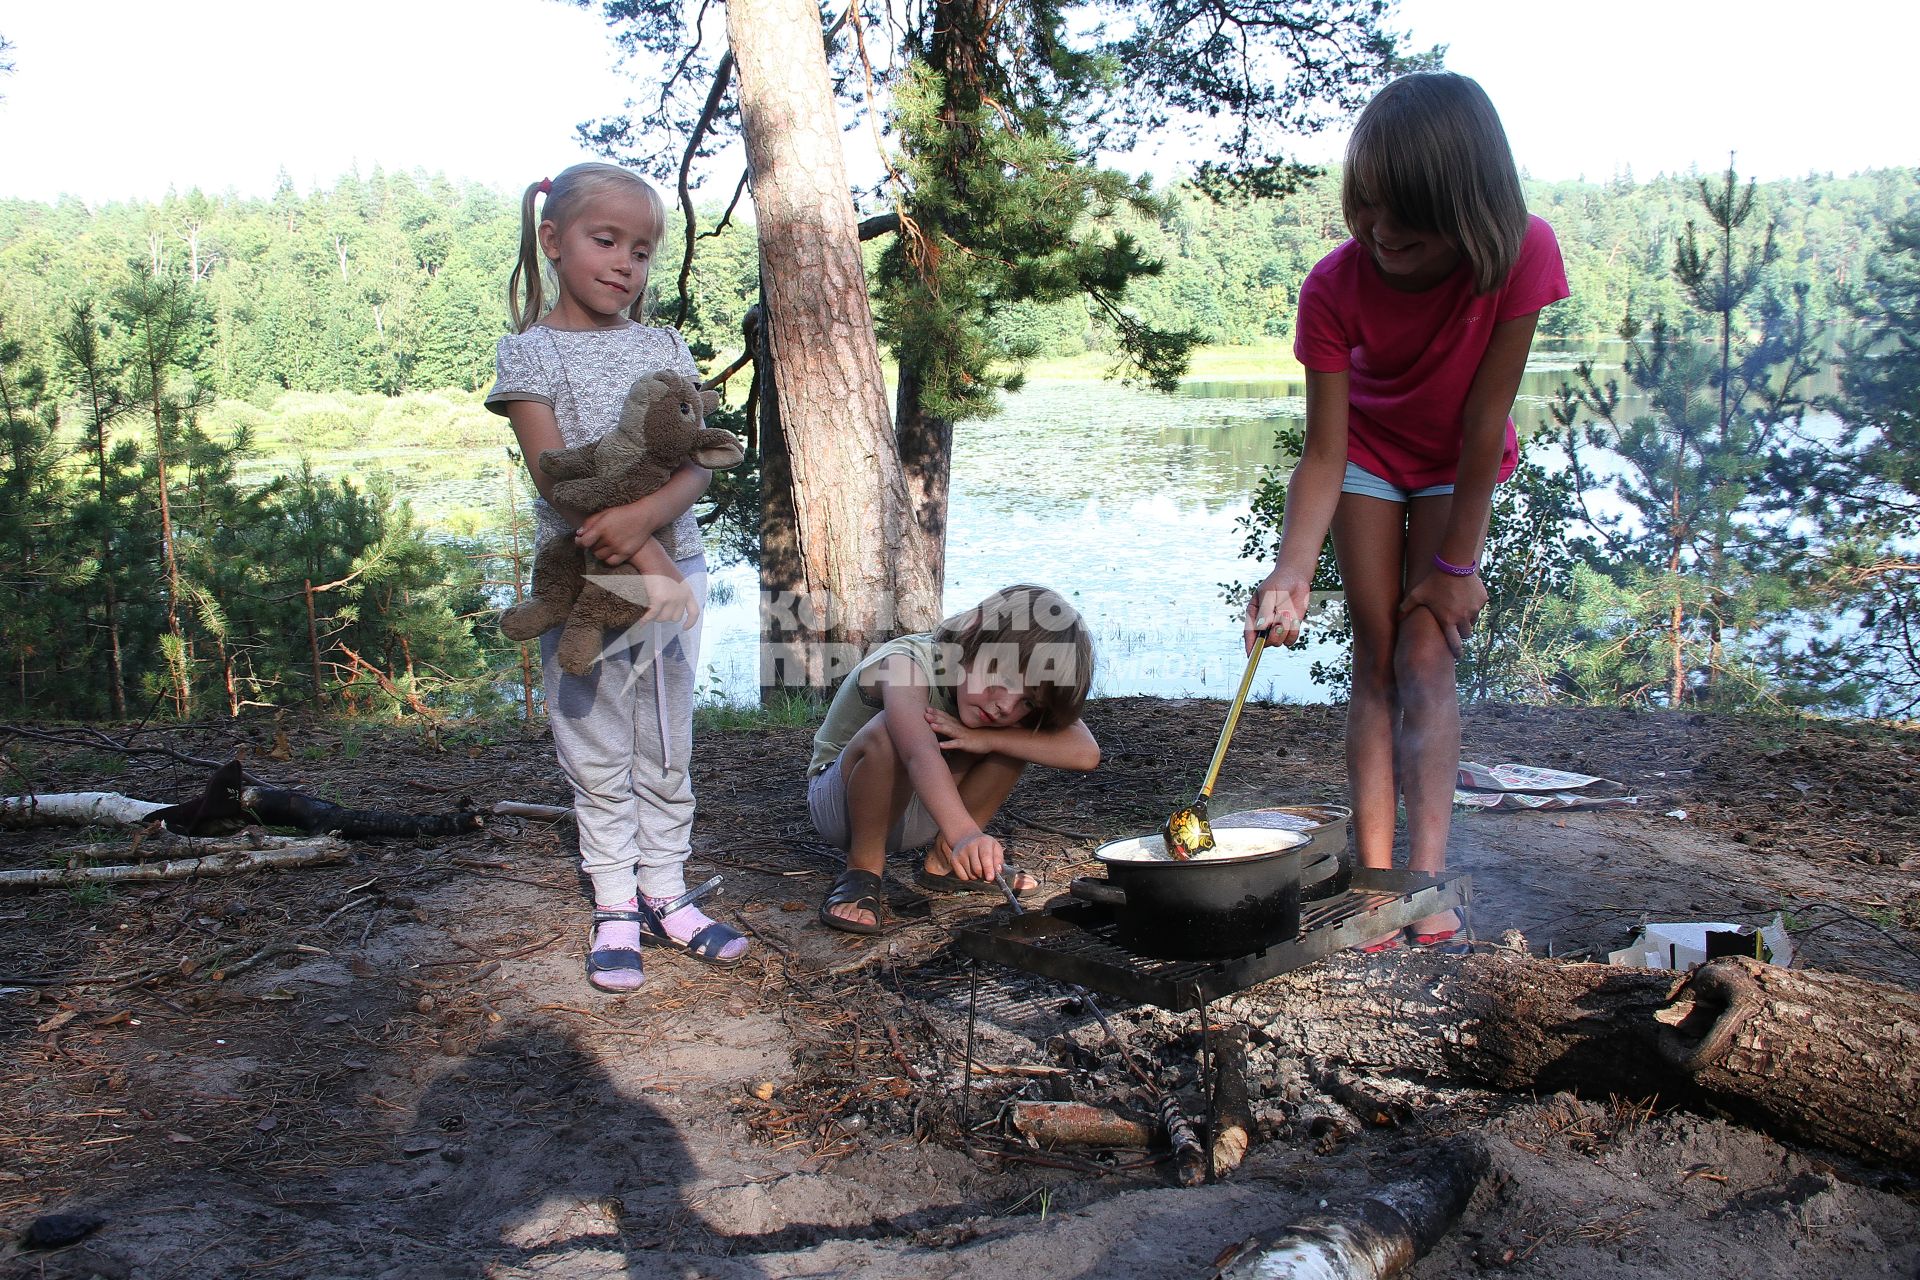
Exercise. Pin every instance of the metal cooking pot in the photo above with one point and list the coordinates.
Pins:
(1326, 868)
(1240, 897)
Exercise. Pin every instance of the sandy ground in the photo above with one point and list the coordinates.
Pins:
(429, 1088)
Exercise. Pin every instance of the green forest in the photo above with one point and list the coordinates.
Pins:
(145, 348)
(392, 283)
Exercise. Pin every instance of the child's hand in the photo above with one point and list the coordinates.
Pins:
(955, 736)
(1277, 607)
(670, 599)
(1454, 602)
(615, 536)
(978, 857)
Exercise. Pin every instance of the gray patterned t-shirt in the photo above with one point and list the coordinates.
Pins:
(583, 376)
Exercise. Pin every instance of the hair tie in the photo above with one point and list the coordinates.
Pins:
(546, 186)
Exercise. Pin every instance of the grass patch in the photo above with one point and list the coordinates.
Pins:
(788, 709)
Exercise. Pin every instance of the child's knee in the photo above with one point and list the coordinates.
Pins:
(1423, 666)
(870, 750)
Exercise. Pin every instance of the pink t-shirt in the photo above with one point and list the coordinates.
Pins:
(1411, 357)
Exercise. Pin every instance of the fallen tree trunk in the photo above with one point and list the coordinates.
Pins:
(287, 853)
(227, 804)
(1816, 1057)
(1375, 1237)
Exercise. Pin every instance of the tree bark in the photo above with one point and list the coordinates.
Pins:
(1814, 1057)
(782, 576)
(863, 557)
(926, 459)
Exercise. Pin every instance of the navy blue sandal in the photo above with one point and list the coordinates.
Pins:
(613, 959)
(706, 945)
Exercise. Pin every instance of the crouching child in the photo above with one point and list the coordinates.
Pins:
(925, 739)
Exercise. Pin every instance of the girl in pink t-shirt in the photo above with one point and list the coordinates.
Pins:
(1414, 335)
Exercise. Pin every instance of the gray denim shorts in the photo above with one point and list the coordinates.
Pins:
(1368, 485)
(827, 806)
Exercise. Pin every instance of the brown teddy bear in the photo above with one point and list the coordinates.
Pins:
(661, 426)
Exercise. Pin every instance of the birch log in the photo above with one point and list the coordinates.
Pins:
(75, 809)
(286, 853)
(1377, 1236)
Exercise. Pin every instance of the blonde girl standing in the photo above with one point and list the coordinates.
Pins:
(1414, 335)
(624, 731)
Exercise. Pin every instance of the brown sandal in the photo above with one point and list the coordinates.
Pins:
(858, 889)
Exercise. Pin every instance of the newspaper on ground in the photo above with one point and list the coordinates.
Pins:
(1521, 777)
(1525, 786)
(1685, 944)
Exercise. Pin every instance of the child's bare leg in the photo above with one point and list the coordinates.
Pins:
(1368, 540)
(984, 783)
(1430, 708)
(878, 789)
(1430, 738)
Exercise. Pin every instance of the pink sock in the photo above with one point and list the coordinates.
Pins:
(618, 934)
(683, 924)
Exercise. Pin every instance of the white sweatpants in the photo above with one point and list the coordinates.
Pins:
(624, 735)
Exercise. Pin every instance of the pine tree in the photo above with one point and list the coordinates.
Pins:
(40, 564)
(106, 519)
(1697, 559)
(157, 314)
(1865, 489)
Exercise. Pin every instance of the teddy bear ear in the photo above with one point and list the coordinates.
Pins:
(709, 401)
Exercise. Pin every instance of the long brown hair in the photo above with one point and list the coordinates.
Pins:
(567, 194)
(1429, 149)
(1036, 628)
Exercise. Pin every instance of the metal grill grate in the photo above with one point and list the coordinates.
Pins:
(1074, 941)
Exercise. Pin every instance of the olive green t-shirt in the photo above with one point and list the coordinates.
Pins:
(853, 705)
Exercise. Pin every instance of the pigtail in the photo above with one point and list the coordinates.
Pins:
(526, 294)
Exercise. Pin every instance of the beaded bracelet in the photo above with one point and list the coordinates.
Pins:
(1455, 570)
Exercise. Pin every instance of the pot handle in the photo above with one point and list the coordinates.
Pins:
(1087, 889)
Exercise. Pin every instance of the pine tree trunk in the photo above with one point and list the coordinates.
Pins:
(859, 546)
(116, 673)
(1815, 1057)
(926, 458)
(782, 577)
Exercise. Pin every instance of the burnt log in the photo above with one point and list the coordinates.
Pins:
(1233, 1127)
(227, 804)
(1820, 1058)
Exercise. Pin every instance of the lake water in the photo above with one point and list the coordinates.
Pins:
(1127, 502)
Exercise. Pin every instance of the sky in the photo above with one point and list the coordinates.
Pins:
(115, 99)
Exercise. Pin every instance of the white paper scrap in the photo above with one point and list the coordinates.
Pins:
(1684, 945)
